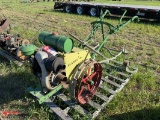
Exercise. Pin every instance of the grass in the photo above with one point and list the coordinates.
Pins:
(134, 2)
(140, 99)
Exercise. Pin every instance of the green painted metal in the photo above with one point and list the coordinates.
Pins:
(37, 92)
(28, 49)
(99, 24)
(58, 42)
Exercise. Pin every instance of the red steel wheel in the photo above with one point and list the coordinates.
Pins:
(88, 82)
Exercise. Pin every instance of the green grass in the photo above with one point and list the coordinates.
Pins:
(134, 2)
(140, 99)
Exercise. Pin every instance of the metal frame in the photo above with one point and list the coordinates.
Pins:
(10, 57)
(99, 24)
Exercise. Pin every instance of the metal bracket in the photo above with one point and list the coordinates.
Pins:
(37, 92)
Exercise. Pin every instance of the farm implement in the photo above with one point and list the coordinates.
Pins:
(9, 43)
(79, 76)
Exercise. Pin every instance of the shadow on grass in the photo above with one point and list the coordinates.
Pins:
(13, 86)
(144, 114)
(14, 81)
(15, 97)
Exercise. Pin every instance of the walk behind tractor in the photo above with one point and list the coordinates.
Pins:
(87, 69)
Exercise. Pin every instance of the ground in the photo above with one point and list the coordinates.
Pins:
(140, 99)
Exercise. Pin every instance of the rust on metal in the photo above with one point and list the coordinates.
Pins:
(4, 23)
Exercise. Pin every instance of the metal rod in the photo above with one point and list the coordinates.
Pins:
(122, 16)
(86, 45)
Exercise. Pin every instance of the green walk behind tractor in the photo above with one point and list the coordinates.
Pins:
(87, 72)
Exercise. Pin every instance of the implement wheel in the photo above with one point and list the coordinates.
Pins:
(88, 80)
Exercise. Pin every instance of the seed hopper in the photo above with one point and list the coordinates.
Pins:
(78, 75)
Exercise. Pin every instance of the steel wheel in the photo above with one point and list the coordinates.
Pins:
(88, 81)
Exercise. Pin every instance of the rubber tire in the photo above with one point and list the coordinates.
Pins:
(96, 11)
(68, 9)
(82, 10)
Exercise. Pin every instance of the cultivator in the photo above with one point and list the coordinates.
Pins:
(81, 79)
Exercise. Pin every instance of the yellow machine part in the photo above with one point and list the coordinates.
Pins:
(73, 59)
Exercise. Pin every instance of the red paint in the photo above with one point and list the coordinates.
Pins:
(7, 38)
(49, 50)
(85, 95)
(6, 113)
